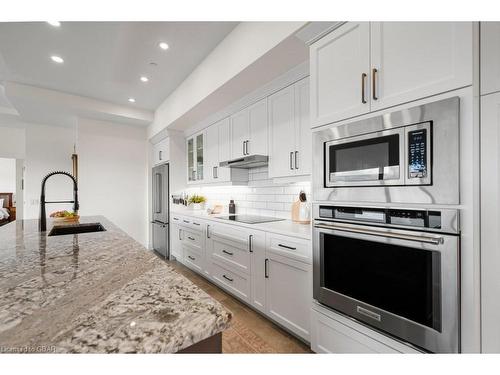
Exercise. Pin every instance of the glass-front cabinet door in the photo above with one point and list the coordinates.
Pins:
(195, 157)
(199, 157)
(190, 160)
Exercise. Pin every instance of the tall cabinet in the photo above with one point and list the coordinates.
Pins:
(289, 131)
(195, 157)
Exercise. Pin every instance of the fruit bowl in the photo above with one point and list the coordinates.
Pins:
(64, 217)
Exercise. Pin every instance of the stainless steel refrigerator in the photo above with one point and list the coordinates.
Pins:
(160, 210)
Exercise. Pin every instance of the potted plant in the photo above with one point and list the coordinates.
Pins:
(197, 202)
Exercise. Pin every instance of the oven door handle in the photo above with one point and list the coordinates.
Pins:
(373, 232)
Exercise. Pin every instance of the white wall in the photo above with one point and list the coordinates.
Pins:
(7, 175)
(12, 142)
(113, 174)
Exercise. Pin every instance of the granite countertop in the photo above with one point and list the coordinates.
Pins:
(284, 227)
(99, 292)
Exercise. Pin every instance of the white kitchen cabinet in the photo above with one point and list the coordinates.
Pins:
(289, 293)
(281, 133)
(211, 163)
(224, 127)
(340, 69)
(249, 130)
(333, 333)
(290, 136)
(195, 148)
(175, 238)
(161, 152)
(490, 217)
(364, 67)
(490, 57)
(258, 267)
(303, 133)
(412, 60)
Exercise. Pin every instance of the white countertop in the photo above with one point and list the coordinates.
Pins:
(284, 227)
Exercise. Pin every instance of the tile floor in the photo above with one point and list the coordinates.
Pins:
(250, 332)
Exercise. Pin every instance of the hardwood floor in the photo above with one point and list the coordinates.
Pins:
(250, 332)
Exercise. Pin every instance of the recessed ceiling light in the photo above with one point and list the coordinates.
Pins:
(163, 45)
(54, 23)
(57, 59)
(144, 79)
(131, 100)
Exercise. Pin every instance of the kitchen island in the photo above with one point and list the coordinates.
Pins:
(99, 292)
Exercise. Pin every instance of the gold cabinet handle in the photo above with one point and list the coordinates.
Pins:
(374, 84)
(363, 79)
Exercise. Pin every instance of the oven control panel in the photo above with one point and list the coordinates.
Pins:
(388, 216)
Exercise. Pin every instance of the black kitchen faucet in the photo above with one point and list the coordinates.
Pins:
(42, 223)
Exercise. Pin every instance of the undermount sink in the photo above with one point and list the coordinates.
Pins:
(60, 230)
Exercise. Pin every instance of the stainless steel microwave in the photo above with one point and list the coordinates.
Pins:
(400, 156)
(405, 156)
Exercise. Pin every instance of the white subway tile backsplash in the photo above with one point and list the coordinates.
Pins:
(262, 196)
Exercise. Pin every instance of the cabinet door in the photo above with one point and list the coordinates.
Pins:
(303, 133)
(257, 129)
(191, 155)
(175, 241)
(490, 57)
(282, 133)
(156, 154)
(340, 69)
(239, 133)
(211, 153)
(289, 293)
(490, 217)
(224, 174)
(418, 59)
(200, 156)
(258, 279)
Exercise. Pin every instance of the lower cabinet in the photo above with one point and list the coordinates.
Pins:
(270, 272)
(334, 333)
(289, 293)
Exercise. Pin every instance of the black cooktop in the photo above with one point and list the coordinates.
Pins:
(250, 219)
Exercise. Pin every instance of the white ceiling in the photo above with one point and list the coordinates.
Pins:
(104, 60)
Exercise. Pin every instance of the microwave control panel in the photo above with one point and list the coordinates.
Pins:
(417, 153)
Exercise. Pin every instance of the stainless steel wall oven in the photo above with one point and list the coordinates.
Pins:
(394, 269)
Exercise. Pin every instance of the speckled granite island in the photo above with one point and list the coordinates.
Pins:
(98, 292)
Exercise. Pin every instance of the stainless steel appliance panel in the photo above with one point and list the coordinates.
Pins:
(160, 194)
(160, 239)
(439, 185)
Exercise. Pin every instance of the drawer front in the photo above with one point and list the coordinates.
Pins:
(193, 240)
(235, 256)
(229, 234)
(193, 260)
(190, 223)
(290, 247)
(233, 282)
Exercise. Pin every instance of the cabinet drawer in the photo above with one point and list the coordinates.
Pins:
(193, 240)
(290, 247)
(193, 260)
(193, 224)
(235, 256)
(229, 234)
(237, 284)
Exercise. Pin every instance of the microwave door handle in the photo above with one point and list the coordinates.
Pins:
(373, 232)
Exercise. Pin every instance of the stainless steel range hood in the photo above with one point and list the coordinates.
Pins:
(251, 161)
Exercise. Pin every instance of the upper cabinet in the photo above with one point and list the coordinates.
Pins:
(490, 57)
(195, 157)
(364, 67)
(412, 60)
(249, 131)
(289, 131)
(339, 64)
(161, 152)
